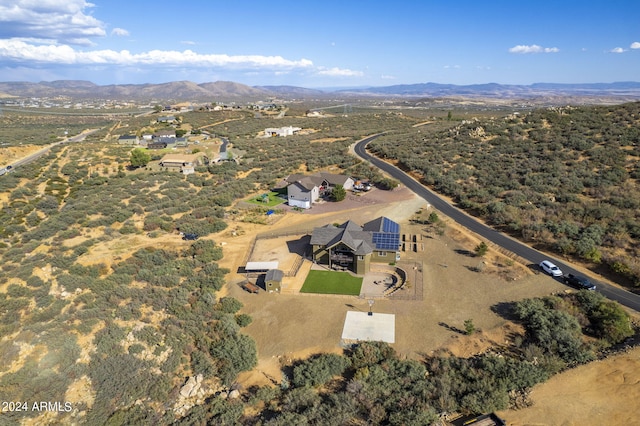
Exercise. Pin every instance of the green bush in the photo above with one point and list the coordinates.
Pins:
(243, 320)
(318, 369)
(236, 353)
(228, 305)
(556, 332)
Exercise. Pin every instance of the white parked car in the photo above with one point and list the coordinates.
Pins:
(550, 268)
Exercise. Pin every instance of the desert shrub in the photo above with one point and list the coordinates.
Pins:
(318, 369)
(217, 412)
(236, 353)
(136, 348)
(132, 382)
(48, 204)
(15, 290)
(189, 224)
(128, 312)
(35, 281)
(243, 320)
(149, 335)
(73, 282)
(228, 305)
(556, 332)
(226, 326)
(370, 353)
(202, 363)
(48, 313)
(608, 320)
(205, 251)
(108, 340)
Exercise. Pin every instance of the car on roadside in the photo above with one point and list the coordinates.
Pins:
(581, 283)
(551, 269)
(189, 237)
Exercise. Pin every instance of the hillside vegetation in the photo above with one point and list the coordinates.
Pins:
(102, 305)
(564, 179)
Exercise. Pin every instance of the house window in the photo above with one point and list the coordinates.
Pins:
(360, 257)
(382, 253)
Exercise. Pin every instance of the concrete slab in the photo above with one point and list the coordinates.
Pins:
(376, 283)
(360, 326)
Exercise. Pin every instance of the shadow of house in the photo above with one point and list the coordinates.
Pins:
(299, 246)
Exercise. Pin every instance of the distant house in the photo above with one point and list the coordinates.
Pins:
(281, 131)
(166, 119)
(185, 163)
(169, 133)
(304, 190)
(170, 142)
(156, 145)
(353, 247)
(128, 140)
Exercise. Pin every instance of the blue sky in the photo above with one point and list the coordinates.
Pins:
(320, 44)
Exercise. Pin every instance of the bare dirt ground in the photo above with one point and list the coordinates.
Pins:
(600, 393)
(9, 154)
(293, 326)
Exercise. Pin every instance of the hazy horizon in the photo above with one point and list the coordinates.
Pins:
(335, 44)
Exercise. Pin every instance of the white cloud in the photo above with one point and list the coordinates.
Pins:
(339, 72)
(18, 51)
(635, 45)
(617, 50)
(120, 32)
(53, 20)
(534, 48)
(452, 66)
(188, 42)
(387, 77)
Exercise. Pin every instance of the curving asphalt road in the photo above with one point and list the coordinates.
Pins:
(32, 157)
(624, 297)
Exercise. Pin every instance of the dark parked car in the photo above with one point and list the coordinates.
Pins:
(190, 237)
(580, 283)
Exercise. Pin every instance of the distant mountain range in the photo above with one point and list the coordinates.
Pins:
(227, 91)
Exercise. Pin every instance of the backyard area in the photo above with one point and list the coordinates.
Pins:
(268, 199)
(330, 282)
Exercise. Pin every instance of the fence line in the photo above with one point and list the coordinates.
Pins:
(295, 268)
(269, 235)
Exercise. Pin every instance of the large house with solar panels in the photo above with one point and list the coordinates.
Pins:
(353, 247)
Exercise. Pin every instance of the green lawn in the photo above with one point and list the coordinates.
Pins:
(329, 282)
(273, 198)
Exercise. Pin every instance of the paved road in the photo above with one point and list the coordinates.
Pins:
(32, 157)
(527, 253)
